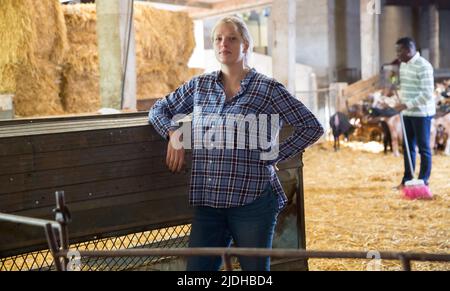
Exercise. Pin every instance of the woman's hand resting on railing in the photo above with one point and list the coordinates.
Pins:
(175, 153)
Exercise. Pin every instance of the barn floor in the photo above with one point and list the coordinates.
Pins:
(350, 206)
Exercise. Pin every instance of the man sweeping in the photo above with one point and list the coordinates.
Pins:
(418, 109)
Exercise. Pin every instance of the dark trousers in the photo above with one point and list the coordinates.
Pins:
(418, 131)
(249, 226)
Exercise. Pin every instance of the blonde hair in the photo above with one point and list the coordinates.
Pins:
(243, 31)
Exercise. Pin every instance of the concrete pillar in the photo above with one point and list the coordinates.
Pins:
(434, 37)
(396, 22)
(370, 38)
(315, 37)
(112, 32)
(283, 42)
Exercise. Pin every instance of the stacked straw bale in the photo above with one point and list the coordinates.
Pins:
(32, 46)
(81, 93)
(16, 41)
(49, 55)
(164, 44)
(37, 92)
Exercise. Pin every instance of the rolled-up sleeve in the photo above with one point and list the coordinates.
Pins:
(181, 101)
(293, 112)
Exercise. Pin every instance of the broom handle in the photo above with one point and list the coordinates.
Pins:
(405, 137)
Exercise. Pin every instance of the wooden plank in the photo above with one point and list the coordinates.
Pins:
(61, 127)
(77, 175)
(361, 85)
(71, 117)
(80, 157)
(361, 90)
(42, 198)
(94, 222)
(76, 140)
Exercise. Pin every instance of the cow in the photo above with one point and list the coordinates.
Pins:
(340, 125)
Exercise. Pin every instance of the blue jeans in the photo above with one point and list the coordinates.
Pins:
(418, 132)
(249, 226)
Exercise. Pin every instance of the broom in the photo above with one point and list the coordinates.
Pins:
(414, 189)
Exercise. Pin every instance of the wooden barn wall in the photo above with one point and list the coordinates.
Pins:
(114, 179)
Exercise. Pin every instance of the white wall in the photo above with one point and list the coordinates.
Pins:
(197, 60)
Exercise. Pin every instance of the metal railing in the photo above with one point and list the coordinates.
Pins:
(228, 253)
(67, 259)
(62, 218)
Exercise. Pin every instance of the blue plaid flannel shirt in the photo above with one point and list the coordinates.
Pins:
(226, 178)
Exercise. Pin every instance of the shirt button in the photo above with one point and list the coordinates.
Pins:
(210, 162)
(209, 180)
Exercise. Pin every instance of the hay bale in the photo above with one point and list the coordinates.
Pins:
(180, 74)
(156, 57)
(30, 30)
(157, 84)
(38, 92)
(18, 34)
(16, 43)
(156, 33)
(32, 47)
(8, 78)
(80, 92)
(162, 66)
(82, 55)
(51, 43)
(50, 34)
(153, 85)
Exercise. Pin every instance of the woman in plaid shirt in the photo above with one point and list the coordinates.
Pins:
(235, 191)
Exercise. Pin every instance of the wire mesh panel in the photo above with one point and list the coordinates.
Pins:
(170, 237)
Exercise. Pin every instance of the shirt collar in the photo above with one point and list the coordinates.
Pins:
(416, 56)
(248, 77)
(244, 82)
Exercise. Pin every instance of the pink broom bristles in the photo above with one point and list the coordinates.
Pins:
(417, 192)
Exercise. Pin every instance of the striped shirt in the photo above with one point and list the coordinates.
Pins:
(417, 85)
(223, 177)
